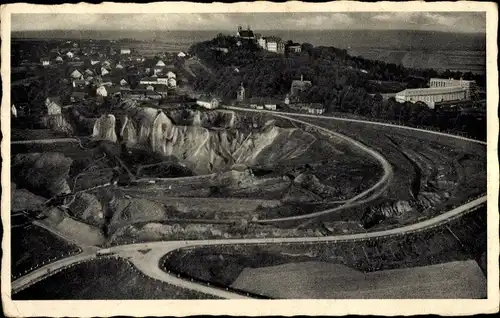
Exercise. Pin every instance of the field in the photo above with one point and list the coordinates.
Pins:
(33, 246)
(461, 239)
(104, 278)
(319, 280)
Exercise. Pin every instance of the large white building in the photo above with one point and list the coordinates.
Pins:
(431, 96)
(469, 86)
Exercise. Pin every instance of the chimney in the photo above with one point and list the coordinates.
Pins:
(301, 78)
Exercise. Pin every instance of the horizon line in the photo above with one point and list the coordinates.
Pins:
(225, 30)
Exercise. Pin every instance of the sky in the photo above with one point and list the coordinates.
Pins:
(428, 21)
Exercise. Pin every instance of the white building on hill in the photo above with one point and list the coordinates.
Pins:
(431, 96)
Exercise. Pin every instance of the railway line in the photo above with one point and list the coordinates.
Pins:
(149, 263)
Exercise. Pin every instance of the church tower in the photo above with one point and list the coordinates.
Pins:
(241, 93)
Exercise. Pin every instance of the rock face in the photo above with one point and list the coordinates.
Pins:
(226, 142)
(310, 182)
(57, 123)
(42, 173)
(104, 128)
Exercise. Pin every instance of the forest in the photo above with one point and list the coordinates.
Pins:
(342, 83)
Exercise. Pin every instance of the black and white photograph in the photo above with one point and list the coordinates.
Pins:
(322, 155)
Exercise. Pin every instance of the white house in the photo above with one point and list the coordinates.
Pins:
(94, 62)
(76, 74)
(171, 74)
(123, 82)
(160, 63)
(53, 105)
(45, 62)
(207, 102)
(104, 71)
(181, 55)
(69, 54)
(59, 59)
(270, 106)
(119, 66)
(106, 63)
(101, 91)
(125, 51)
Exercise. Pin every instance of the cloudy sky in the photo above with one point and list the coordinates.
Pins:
(439, 21)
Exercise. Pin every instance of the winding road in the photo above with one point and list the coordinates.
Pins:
(148, 262)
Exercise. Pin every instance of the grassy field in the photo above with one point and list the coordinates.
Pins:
(32, 246)
(320, 280)
(462, 239)
(102, 279)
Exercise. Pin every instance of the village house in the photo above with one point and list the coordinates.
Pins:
(76, 75)
(125, 51)
(13, 111)
(59, 59)
(144, 94)
(101, 91)
(69, 54)
(118, 66)
(78, 96)
(207, 102)
(181, 55)
(312, 108)
(80, 84)
(53, 104)
(45, 61)
(123, 82)
(104, 71)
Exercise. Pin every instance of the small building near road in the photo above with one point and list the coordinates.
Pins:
(208, 102)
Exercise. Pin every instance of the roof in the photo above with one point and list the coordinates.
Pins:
(301, 84)
(431, 91)
(55, 99)
(272, 39)
(206, 98)
(150, 78)
(78, 94)
(246, 34)
(451, 79)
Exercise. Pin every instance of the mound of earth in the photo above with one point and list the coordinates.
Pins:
(42, 173)
(23, 200)
(226, 140)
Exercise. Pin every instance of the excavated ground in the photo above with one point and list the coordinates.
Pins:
(224, 167)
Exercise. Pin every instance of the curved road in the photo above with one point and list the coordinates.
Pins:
(148, 263)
